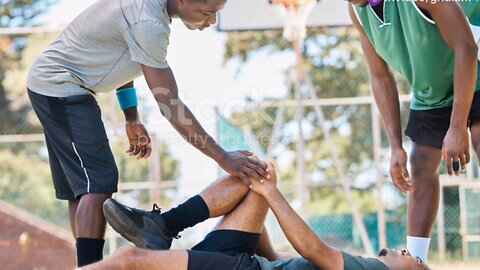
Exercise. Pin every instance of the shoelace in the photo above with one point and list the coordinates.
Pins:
(158, 210)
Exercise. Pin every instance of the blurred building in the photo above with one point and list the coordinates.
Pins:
(28, 242)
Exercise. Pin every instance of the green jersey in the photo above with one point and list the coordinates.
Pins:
(411, 44)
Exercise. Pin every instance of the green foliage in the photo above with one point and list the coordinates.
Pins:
(15, 13)
(327, 201)
(133, 170)
(25, 180)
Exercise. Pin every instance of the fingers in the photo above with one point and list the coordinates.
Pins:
(140, 147)
(401, 184)
(145, 149)
(453, 165)
(251, 173)
(148, 151)
(456, 166)
(271, 168)
(272, 175)
(259, 174)
(401, 179)
(467, 157)
(464, 160)
(131, 148)
(259, 166)
(456, 160)
(245, 179)
(246, 153)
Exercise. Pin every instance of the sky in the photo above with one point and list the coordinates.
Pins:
(205, 83)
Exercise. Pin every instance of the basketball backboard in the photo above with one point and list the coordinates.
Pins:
(241, 15)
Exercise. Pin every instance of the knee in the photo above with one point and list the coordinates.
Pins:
(423, 167)
(95, 198)
(417, 160)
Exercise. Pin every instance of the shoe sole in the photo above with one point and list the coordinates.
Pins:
(122, 224)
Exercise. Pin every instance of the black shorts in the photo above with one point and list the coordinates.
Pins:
(80, 157)
(225, 250)
(429, 127)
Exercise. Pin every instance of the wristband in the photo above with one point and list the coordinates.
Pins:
(127, 98)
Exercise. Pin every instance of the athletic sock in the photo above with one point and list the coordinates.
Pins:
(186, 215)
(89, 250)
(418, 246)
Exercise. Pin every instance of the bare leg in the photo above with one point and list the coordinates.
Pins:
(475, 132)
(248, 216)
(72, 213)
(89, 219)
(265, 248)
(131, 258)
(423, 202)
(224, 195)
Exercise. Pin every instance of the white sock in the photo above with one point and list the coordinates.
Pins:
(418, 246)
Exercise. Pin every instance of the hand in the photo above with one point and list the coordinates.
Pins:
(265, 187)
(456, 148)
(139, 140)
(398, 171)
(239, 164)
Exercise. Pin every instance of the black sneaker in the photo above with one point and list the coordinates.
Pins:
(144, 229)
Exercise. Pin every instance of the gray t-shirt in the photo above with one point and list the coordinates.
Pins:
(103, 48)
(350, 263)
(296, 263)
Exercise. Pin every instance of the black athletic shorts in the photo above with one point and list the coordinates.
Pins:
(80, 157)
(429, 127)
(225, 250)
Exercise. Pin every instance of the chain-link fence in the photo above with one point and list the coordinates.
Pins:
(25, 178)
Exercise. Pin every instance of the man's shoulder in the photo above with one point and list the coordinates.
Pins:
(154, 11)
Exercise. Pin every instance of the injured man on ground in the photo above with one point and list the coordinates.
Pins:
(239, 241)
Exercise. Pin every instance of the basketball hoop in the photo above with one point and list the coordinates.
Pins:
(295, 14)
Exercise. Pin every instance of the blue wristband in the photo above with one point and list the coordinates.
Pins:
(127, 98)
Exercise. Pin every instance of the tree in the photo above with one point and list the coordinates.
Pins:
(32, 188)
(335, 62)
(15, 13)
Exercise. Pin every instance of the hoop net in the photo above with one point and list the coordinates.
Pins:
(295, 14)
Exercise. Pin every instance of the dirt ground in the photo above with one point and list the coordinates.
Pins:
(456, 266)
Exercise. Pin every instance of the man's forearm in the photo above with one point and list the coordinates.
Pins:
(299, 234)
(131, 114)
(465, 78)
(183, 120)
(386, 97)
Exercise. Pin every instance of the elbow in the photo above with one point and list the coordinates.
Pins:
(309, 253)
(382, 78)
(468, 50)
(472, 50)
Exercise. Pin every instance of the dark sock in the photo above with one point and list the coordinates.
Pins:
(89, 250)
(186, 215)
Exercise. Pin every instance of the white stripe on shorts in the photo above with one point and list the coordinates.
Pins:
(84, 169)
